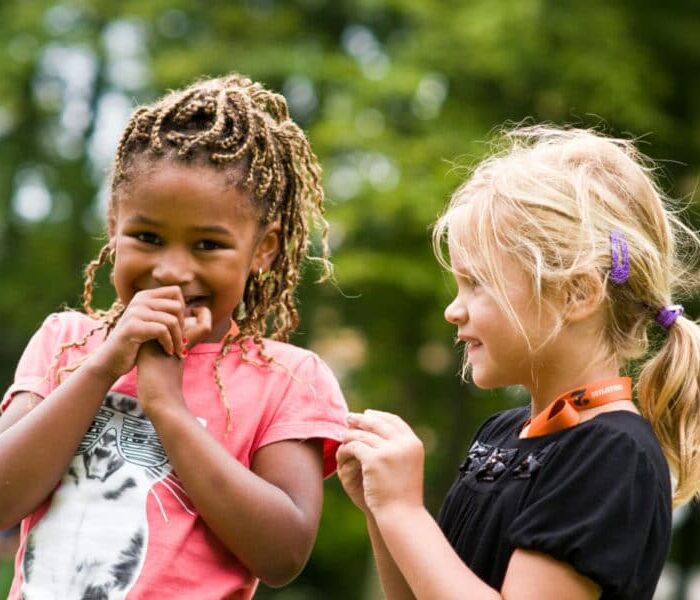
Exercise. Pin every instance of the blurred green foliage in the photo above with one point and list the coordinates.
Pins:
(398, 97)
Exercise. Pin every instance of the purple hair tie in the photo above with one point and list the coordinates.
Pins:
(620, 267)
(667, 315)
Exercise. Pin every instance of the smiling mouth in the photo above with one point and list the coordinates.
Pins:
(195, 301)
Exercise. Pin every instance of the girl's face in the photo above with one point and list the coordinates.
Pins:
(498, 352)
(183, 225)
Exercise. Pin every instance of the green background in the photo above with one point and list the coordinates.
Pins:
(397, 97)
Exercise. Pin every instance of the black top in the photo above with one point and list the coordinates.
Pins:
(596, 496)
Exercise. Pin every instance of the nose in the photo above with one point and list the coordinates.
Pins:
(456, 312)
(173, 266)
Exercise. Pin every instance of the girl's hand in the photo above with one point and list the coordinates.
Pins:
(159, 377)
(198, 325)
(350, 475)
(157, 314)
(391, 459)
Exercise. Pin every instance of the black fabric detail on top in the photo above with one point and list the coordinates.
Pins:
(597, 496)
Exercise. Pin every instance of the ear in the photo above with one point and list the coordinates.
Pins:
(583, 295)
(267, 248)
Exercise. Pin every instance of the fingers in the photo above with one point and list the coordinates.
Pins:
(382, 423)
(343, 456)
(349, 469)
(360, 435)
(354, 450)
(167, 305)
(198, 326)
(170, 330)
(159, 332)
(383, 434)
(346, 453)
(158, 314)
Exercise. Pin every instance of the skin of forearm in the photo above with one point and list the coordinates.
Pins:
(35, 450)
(393, 582)
(257, 521)
(431, 567)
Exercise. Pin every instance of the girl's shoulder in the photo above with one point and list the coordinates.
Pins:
(272, 357)
(614, 427)
(619, 447)
(285, 352)
(269, 352)
(69, 326)
(610, 439)
(600, 501)
(72, 317)
(620, 432)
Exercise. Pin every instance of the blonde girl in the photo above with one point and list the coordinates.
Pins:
(569, 266)
(162, 448)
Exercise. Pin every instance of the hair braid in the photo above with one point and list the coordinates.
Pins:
(241, 129)
(89, 282)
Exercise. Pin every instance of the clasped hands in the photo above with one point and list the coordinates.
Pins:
(380, 463)
(153, 334)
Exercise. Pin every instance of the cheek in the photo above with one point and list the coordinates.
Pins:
(122, 278)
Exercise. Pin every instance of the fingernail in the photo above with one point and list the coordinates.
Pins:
(184, 340)
(352, 416)
(184, 352)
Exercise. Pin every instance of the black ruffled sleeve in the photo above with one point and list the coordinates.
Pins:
(602, 505)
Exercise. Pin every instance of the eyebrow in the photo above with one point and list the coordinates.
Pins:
(144, 220)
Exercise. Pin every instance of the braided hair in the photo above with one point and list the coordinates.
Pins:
(244, 131)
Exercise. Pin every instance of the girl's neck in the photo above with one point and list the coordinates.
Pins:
(547, 389)
(575, 358)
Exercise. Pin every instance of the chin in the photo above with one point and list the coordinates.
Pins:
(483, 381)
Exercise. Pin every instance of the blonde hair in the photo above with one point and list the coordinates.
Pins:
(244, 131)
(550, 198)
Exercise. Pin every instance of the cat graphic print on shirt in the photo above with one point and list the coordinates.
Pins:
(119, 525)
(119, 462)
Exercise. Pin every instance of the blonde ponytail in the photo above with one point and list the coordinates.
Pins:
(668, 392)
(550, 199)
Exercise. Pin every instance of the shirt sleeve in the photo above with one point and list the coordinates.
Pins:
(313, 406)
(33, 373)
(598, 505)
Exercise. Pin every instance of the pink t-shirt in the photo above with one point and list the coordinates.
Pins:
(120, 521)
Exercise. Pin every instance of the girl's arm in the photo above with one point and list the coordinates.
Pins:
(392, 478)
(433, 569)
(393, 582)
(267, 516)
(38, 437)
(350, 474)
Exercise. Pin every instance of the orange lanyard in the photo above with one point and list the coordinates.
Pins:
(563, 412)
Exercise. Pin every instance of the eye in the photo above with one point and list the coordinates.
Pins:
(147, 237)
(208, 245)
(468, 281)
